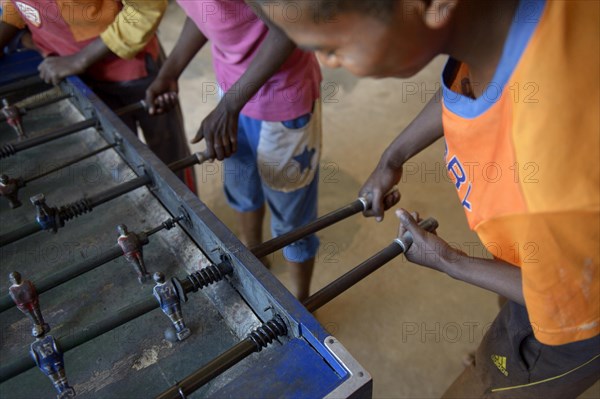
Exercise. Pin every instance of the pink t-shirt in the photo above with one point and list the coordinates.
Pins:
(236, 33)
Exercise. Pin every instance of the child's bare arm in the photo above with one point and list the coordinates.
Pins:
(422, 132)
(431, 251)
(54, 69)
(219, 128)
(161, 95)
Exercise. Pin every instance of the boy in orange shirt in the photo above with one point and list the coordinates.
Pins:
(545, 221)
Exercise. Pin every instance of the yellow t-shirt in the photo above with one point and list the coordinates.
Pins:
(125, 26)
(525, 159)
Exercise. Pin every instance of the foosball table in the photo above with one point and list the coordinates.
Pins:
(118, 282)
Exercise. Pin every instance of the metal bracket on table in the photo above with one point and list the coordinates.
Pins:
(358, 378)
(185, 216)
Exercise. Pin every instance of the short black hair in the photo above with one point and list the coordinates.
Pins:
(381, 9)
(326, 10)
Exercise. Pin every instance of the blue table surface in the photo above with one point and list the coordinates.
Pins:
(18, 65)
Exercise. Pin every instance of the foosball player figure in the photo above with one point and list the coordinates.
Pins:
(44, 215)
(132, 249)
(170, 303)
(48, 356)
(9, 189)
(13, 118)
(25, 296)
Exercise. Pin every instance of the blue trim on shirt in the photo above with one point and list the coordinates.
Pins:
(525, 21)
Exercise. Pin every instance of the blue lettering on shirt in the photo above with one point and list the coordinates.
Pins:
(452, 168)
(457, 170)
(464, 202)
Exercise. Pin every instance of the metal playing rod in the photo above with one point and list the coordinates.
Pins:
(199, 280)
(69, 163)
(137, 106)
(47, 101)
(283, 240)
(62, 214)
(11, 149)
(114, 192)
(254, 342)
(21, 232)
(195, 158)
(68, 273)
(340, 285)
(21, 84)
(21, 182)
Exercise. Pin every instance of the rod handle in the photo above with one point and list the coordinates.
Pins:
(367, 200)
(429, 224)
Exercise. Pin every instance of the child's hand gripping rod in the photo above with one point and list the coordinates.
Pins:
(338, 286)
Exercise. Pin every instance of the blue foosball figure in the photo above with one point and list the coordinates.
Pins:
(45, 216)
(49, 358)
(169, 301)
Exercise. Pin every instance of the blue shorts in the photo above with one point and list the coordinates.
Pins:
(278, 162)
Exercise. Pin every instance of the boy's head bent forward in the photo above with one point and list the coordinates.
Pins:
(378, 38)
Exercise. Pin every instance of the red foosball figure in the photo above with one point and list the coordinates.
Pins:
(25, 296)
(132, 249)
(13, 118)
(9, 189)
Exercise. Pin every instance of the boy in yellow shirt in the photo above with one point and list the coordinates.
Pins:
(114, 47)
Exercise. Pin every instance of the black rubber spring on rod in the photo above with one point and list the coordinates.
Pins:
(7, 150)
(208, 275)
(268, 332)
(71, 211)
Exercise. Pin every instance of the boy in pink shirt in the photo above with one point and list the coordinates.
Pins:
(267, 126)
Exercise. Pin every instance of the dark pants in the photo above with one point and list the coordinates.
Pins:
(164, 134)
(512, 363)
